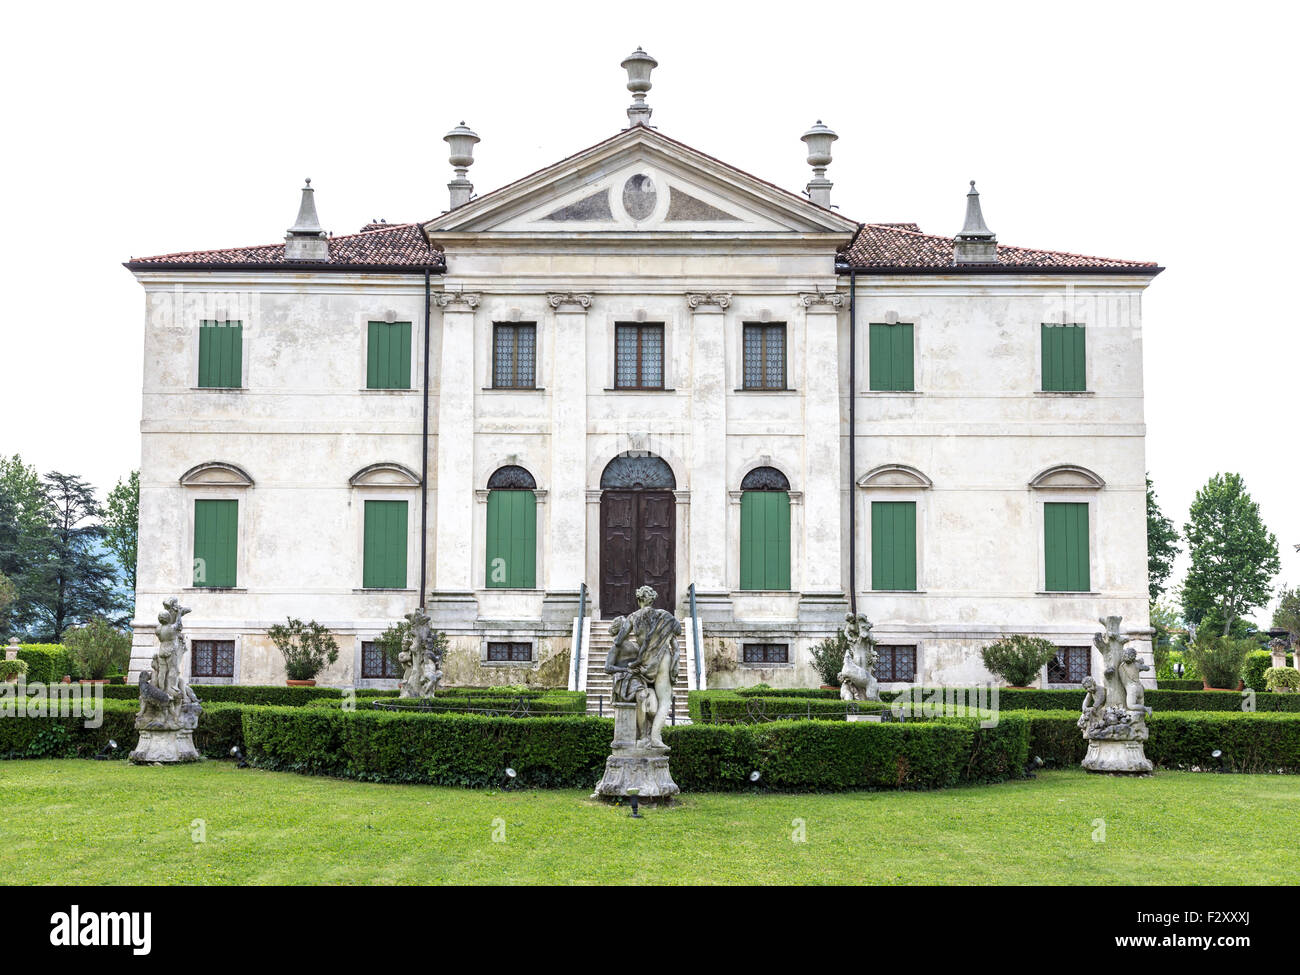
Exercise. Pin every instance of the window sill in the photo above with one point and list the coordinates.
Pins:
(388, 392)
(214, 589)
(763, 592)
(511, 589)
(891, 393)
(1067, 592)
(201, 682)
(761, 389)
(903, 592)
(506, 663)
(219, 389)
(760, 666)
(639, 389)
(513, 389)
(1064, 392)
(381, 589)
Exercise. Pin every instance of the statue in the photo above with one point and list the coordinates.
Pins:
(422, 660)
(1113, 718)
(857, 676)
(169, 708)
(643, 663)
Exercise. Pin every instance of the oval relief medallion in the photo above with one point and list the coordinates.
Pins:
(639, 196)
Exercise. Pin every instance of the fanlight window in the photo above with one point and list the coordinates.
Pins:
(638, 473)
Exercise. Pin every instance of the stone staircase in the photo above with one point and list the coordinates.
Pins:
(600, 684)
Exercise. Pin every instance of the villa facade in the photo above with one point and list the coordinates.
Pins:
(642, 365)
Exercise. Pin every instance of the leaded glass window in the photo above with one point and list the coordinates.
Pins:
(766, 653)
(895, 663)
(212, 658)
(639, 356)
(376, 664)
(764, 357)
(509, 650)
(1070, 666)
(514, 356)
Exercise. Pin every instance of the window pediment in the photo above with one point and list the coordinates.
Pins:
(385, 474)
(216, 473)
(894, 476)
(1067, 477)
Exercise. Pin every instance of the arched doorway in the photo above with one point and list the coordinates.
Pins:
(638, 533)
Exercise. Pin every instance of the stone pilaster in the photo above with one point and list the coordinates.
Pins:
(708, 523)
(454, 512)
(823, 479)
(567, 558)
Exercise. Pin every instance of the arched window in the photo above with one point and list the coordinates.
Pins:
(511, 529)
(765, 530)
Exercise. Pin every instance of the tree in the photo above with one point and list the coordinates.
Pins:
(1287, 615)
(24, 538)
(1234, 555)
(99, 648)
(8, 594)
(75, 581)
(122, 524)
(1162, 545)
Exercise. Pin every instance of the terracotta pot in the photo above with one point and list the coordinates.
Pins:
(830, 687)
(67, 678)
(301, 683)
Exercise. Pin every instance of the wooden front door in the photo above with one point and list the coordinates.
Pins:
(638, 534)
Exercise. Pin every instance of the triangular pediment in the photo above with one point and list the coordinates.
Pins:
(640, 181)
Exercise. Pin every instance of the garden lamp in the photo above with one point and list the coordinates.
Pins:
(106, 752)
(634, 795)
(508, 778)
(237, 753)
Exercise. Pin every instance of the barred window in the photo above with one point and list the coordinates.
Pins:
(509, 650)
(766, 653)
(514, 356)
(896, 663)
(376, 664)
(1070, 666)
(212, 658)
(764, 357)
(639, 356)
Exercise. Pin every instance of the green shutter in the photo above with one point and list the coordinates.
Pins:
(1064, 358)
(512, 540)
(221, 352)
(765, 540)
(893, 545)
(388, 355)
(1065, 547)
(384, 550)
(890, 357)
(216, 543)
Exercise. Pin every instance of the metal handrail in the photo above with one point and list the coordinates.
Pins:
(577, 648)
(695, 635)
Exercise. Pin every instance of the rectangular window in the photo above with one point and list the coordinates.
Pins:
(509, 650)
(893, 545)
(1071, 666)
(766, 653)
(1064, 358)
(376, 664)
(1066, 546)
(896, 663)
(216, 543)
(891, 358)
(765, 540)
(638, 356)
(388, 355)
(384, 558)
(764, 357)
(221, 354)
(511, 539)
(212, 658)
(514, 356)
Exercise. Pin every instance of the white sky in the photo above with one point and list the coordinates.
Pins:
(1139, 130)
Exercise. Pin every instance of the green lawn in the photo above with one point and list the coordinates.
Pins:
(85, 822)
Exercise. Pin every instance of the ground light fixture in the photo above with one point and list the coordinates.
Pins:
(634, 795)
(106, 752)
(755, 775)
(508, 777)
(1223, 762)
(238, 753)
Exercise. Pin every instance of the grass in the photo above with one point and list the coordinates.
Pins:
(85, 822)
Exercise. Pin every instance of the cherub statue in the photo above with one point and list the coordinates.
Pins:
(164, 692)
(1130, 673)
(421, 659)
(857, 674)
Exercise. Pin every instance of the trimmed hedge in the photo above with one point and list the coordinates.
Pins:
(47, 663)
(727, 709)
(1179, 684)
(54, 737)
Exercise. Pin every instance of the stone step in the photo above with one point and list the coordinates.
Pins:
(600, 685)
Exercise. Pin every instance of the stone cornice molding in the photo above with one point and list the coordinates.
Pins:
(694, 299)
(832, 298)
(468, 298)
(558, 298)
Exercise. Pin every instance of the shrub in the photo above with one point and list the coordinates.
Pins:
(1282, 679)
(1174, 657)
(308, 648)
(1178, 684)
(734, 709)
(1219, 659)
(98, 648)
(1252, 672)
(1018, 659)
(828, 657)
(47, 663)
(12, 669)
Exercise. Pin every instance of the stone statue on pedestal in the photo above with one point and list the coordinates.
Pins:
(422, 661)
(858, 674)
(169, 709)
(1113, 718)
(643, 663)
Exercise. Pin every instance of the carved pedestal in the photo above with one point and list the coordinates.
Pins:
(165, 747)
(630, 767)
(1117, 756)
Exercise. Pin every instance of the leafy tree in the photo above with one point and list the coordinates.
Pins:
(1234, 556)
(99, 648)
(122, 525)
(1162, 545)
(308, 648)
(74, 581)
(1287, 615)
(25, 538)
(8, 593)
(1018, 659)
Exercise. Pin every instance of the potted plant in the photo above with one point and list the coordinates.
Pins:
(1220, 660)
(1283, 680)
(828, 659)
(98, 648)
(1018, 659)
(308, 648)
(11, 670)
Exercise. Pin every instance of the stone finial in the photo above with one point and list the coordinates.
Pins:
(818, 139)
(305, 240)
(638, 65)
(460, 142)
(975, 244)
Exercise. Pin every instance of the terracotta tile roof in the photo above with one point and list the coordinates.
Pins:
(896, 247)
(392, 246)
